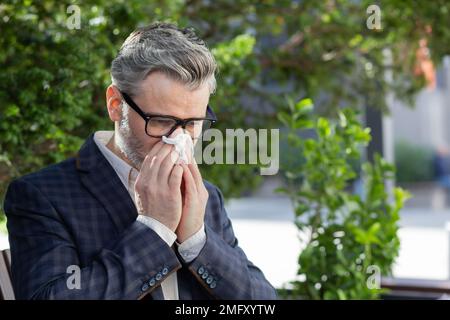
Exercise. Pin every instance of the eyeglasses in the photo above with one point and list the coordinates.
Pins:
(157, 126)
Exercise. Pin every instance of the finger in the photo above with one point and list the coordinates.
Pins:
(191, 186)
(190, 151)
(196, 174)
(163, 153)
(143, 179)
(167, 165)
(145, 167)
(151, 171)
(155, 149)
(149, 157)
(175, 177)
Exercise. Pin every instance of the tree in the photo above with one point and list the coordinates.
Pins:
(351, 237)
(53, 77)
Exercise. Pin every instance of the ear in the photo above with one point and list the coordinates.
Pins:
(113, 103)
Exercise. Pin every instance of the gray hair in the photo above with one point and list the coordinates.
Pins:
(163, 47)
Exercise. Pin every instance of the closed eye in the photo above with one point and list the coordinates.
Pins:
(163, 121)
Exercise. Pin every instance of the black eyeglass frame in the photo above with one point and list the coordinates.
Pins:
(179, 122)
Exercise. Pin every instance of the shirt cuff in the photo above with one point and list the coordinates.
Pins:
(191, 247)
(163, 232)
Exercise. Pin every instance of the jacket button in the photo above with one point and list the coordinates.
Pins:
(201, 270)
(209, 280)
(165, 271)
(152, 282)
(213, 285)
(144, 287)
(205, 275)
(158, 276)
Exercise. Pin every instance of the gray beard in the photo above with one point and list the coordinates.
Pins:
(128, 145)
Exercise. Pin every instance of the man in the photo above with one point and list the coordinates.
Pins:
(124, 215)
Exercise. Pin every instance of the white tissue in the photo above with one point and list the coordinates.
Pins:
(183, 144)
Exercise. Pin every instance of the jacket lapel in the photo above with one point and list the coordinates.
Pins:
(99, 177)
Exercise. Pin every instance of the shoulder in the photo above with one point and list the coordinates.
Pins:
(214, 191)
(216, 215)
(52, 177)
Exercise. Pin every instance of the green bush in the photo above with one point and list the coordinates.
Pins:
(414, 162)
(53, 81)
(349, 236)
(3, 226)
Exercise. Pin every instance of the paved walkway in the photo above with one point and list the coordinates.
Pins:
(265, 231)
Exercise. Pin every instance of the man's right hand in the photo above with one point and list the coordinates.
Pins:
(157, 186)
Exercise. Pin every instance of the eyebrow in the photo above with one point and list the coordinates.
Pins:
(157, 114)
(153, 114)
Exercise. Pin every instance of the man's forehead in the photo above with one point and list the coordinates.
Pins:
(160, 94)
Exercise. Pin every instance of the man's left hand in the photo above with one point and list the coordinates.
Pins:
(195, 197)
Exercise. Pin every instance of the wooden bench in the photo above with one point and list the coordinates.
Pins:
(401, 288)
(6, 289)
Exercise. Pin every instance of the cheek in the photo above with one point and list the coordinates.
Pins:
(145, 144)
(140, 139)
(137, 125)
(137, 128)
(149, 143)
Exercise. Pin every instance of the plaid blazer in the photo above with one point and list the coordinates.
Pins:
(76, 219)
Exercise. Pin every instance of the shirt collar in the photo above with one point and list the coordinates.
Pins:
(126, 173)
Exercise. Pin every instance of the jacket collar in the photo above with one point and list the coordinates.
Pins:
(99, 177)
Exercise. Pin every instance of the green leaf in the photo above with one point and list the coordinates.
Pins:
(285, 118)
(304, 106)
(323, 126)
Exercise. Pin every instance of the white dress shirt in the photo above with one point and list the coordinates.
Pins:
(188, 250)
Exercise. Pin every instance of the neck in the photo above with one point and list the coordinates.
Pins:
(112, 145)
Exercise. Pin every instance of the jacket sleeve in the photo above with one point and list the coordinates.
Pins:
(222, 266)
(45, 262)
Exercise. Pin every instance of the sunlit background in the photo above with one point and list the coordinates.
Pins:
(388, 61)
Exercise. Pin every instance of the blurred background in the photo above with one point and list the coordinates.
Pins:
(360, 91)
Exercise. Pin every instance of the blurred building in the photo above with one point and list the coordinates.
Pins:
(427, 122)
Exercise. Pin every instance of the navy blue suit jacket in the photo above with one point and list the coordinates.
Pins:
(78, 213)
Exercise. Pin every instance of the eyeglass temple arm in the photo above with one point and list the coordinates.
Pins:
(133, 105)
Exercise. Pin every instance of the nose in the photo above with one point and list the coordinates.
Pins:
(177, 131)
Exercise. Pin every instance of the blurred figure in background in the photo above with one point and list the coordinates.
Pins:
(441, 166)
